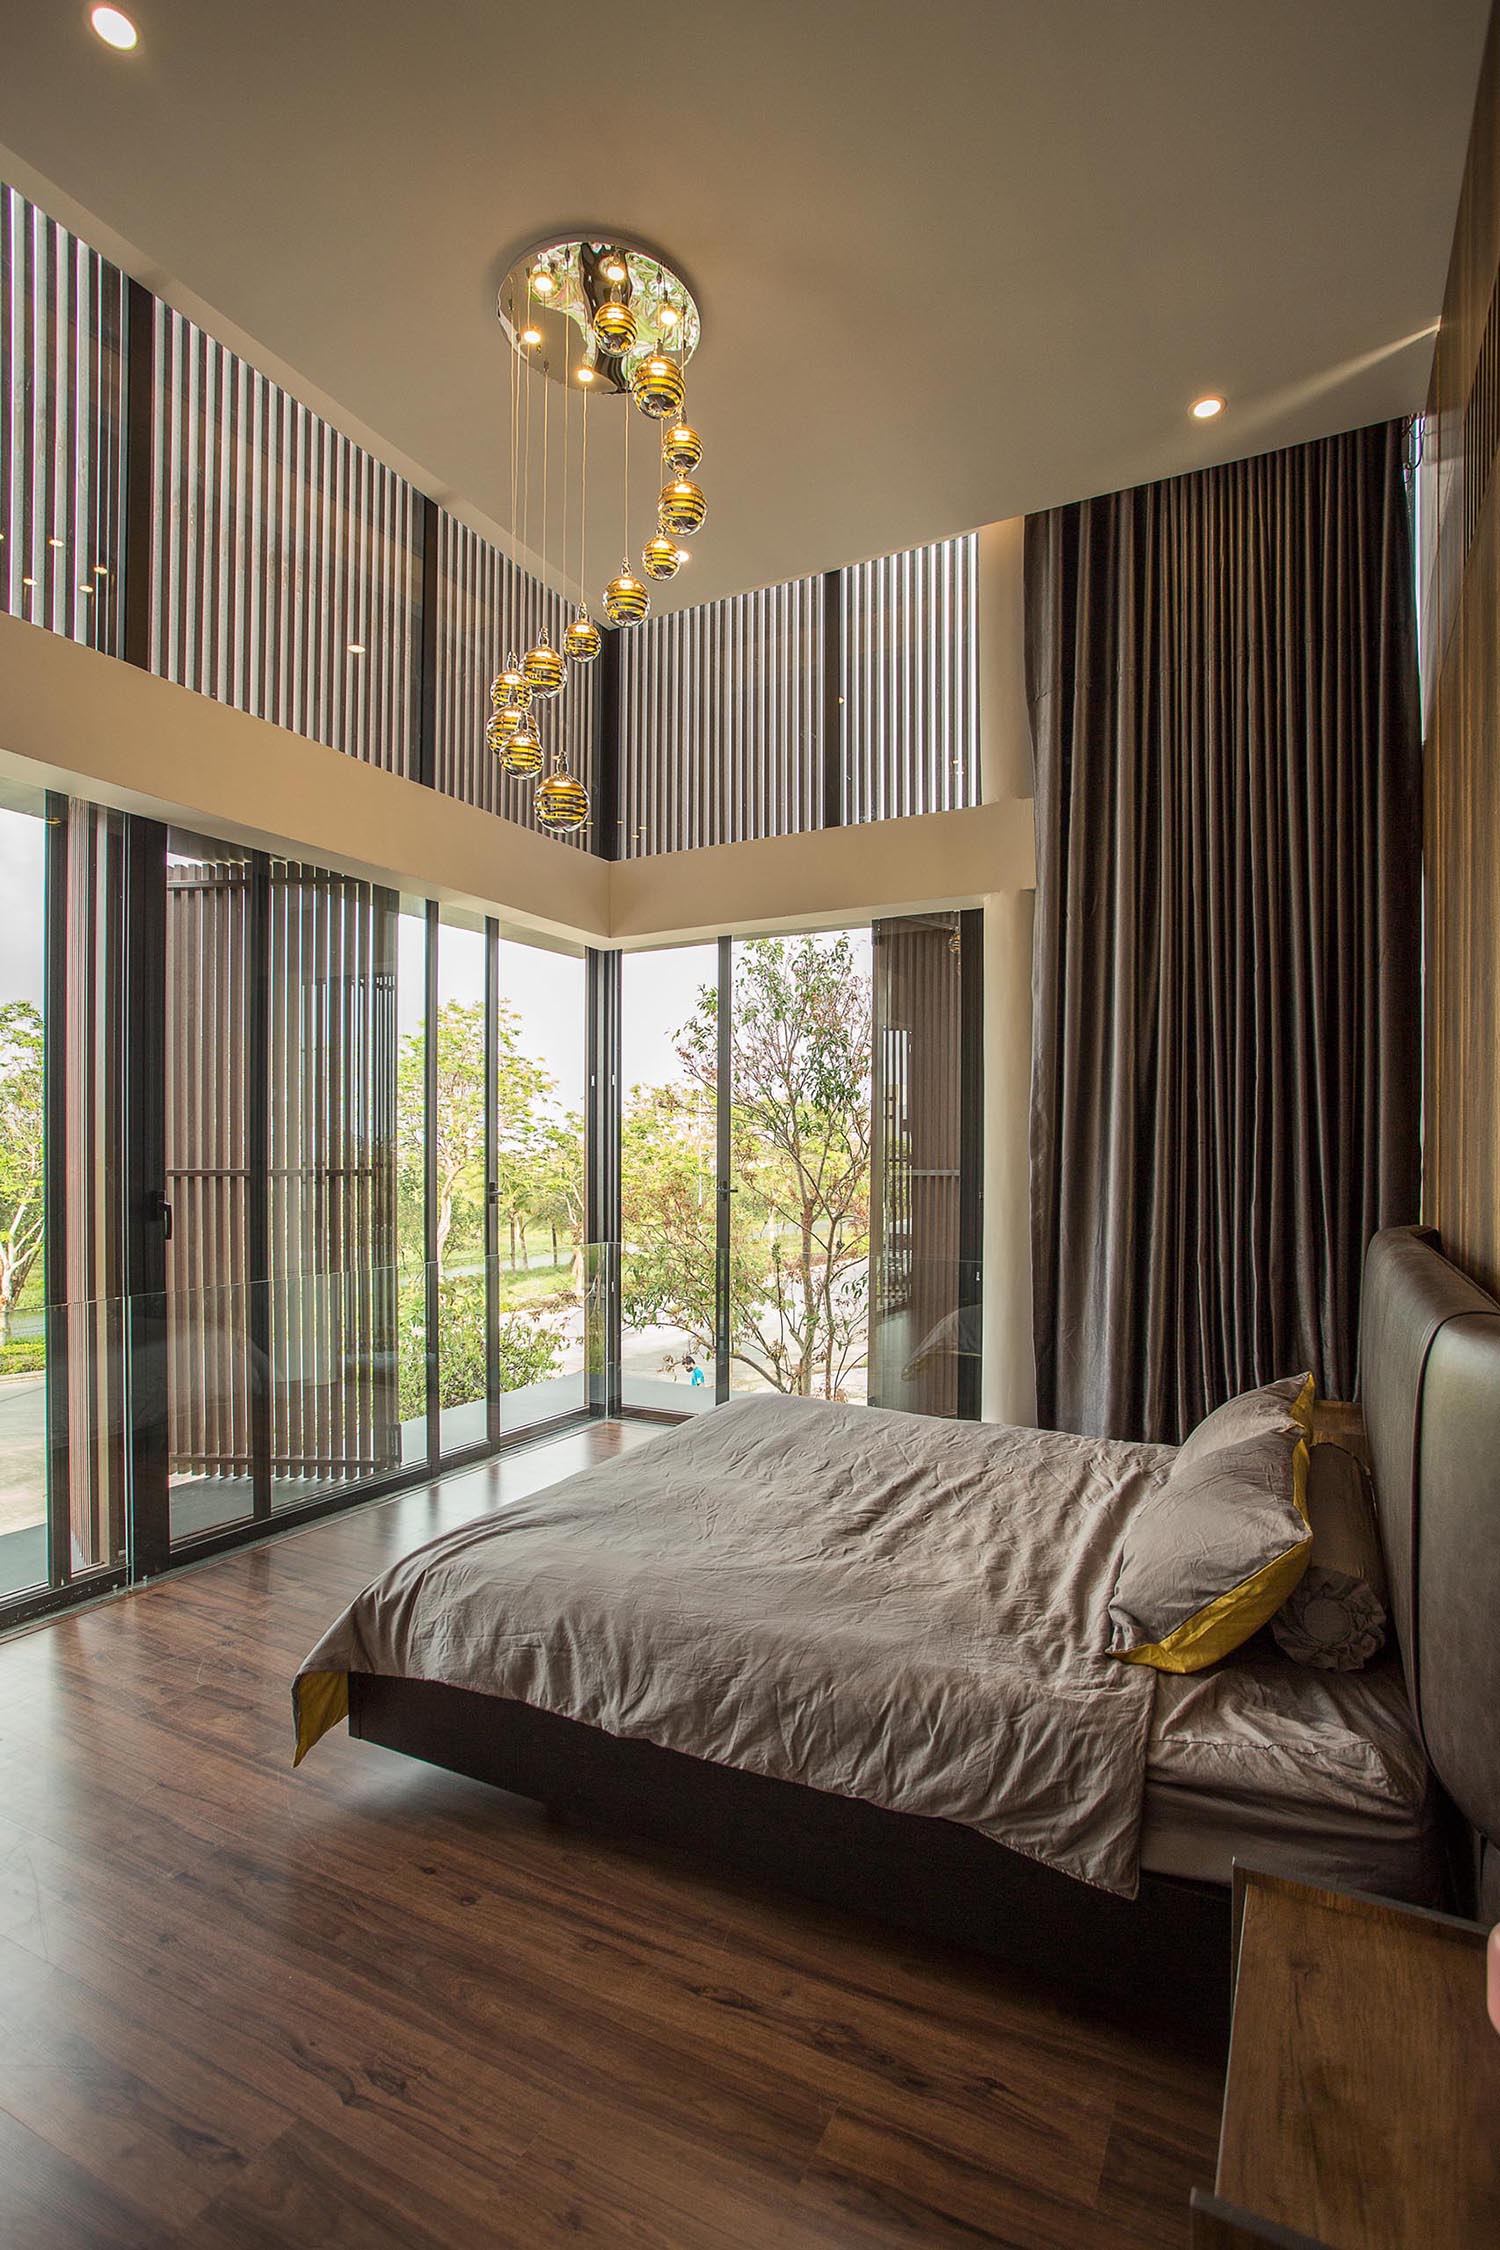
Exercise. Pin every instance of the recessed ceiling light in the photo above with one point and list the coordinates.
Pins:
(1204, 409)
(54, 542)
(542, 282)
(114, 28)
(356, 648)
(585, 374)
(614, 271)
(531, 335)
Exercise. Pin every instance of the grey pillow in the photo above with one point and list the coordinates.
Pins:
(1214, 1550)
(1335, 1616)
(1271, 1407)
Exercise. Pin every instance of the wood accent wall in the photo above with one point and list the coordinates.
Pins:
(1459, 564)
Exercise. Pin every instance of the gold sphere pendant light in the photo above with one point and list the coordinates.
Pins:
(562, 804)
(510, 690)
(681, 508)
(660, 559)
(522, 755)
(657, 386)
(614, 328)
(626, 600)
(544, 669)
(681, 449)
(590, 314)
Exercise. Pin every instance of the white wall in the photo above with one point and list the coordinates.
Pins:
(1005, 774)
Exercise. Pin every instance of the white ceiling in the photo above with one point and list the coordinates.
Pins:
(958, 259)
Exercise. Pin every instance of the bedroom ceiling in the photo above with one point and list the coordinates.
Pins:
(957, 260)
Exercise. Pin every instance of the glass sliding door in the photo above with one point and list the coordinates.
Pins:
(540, 1178)
(23, 1205)
(799, 1164)
(669, 1178)
(415, 1379)
(63, 1043)
(458, 1183)
(925, 1351)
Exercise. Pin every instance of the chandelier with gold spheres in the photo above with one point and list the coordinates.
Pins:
(597, 318)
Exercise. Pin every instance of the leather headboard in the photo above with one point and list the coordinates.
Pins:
(1430, 1389)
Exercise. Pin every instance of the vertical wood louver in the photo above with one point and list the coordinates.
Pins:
(910, 682)
(61, 454)
(209, 1254)
(487, 611)
(332, 1091)
(721, 722)
(726, 722)
(285, 559)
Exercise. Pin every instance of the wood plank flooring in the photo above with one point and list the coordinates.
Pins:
(371, 2004)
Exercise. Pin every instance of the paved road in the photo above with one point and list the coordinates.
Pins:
(23, 1450)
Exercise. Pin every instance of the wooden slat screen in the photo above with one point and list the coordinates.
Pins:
(721, 722)
(280, 549)
(488, 610)
(209, 1259)
(61, 457)
(332, 1090)
(910, 682)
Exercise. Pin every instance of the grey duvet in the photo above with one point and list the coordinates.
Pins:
(879, 1605)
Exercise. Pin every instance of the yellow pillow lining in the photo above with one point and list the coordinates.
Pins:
(322, 1699)
(1230, 1618)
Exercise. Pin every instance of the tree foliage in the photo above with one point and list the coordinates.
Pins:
(22, 1147)
(799, 1231)
(539, 1182)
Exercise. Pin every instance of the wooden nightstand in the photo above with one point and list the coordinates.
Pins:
(1362, 2106)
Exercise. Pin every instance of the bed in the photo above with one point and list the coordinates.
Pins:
(857, 1653)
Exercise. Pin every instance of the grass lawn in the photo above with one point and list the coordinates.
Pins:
(522, 1288)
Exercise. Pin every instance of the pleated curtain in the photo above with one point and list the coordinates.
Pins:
(1225, 1089)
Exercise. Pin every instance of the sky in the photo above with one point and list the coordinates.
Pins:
(23, 862)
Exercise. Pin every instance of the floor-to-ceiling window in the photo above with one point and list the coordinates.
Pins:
(23, 1270)
(541, 1260)
(799, 1113)
(669, 1177)
(459, 1182)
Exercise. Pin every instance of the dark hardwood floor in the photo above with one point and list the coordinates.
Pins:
(371, 2004)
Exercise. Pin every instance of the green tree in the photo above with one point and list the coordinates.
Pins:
(558, 1187)
(521, 1085)
(800, 1158)
(22, 1147)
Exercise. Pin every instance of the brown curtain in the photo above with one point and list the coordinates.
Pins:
(1225, 1076)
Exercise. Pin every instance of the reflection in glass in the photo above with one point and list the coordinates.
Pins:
(668, 1178)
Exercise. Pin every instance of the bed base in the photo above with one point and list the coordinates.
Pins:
(1165, 1952)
